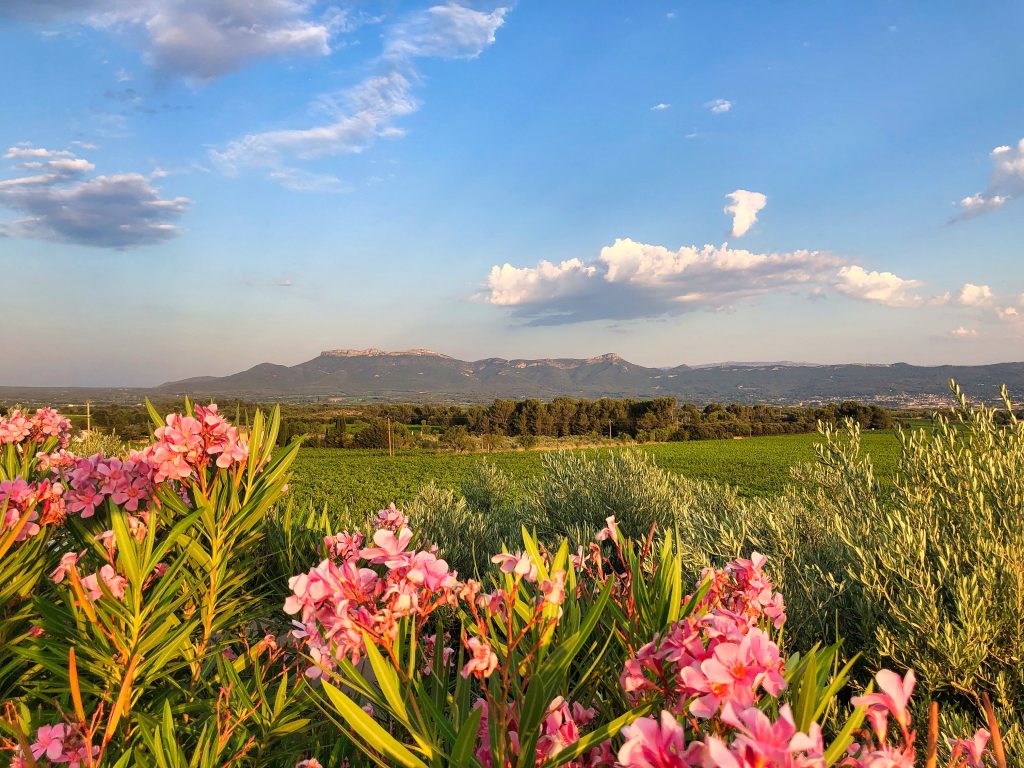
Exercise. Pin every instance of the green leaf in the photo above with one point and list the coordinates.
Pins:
(844, 738)
(371, 735)
(387, 680)
(462, 751)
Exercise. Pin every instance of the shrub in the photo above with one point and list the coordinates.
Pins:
(934, 566)
(528, 678)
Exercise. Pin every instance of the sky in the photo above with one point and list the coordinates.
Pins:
(191, 187)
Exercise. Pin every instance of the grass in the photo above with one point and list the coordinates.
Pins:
(367, 480)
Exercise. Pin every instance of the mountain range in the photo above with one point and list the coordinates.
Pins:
(423, 375)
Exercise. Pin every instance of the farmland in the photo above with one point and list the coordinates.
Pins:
(367, 479)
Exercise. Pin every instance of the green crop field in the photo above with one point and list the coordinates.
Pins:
(367, 480)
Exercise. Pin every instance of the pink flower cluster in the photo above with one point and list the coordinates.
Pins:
(41, 502)
(186, 443)
(17, 427)
(360, 589)
(60, 744)
(128, 483)
(560, 728)
(749, 739)
(718, 655)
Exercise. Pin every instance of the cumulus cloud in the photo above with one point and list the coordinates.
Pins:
(199, 39)
(630, 280)
(1005, 183)
(660, 107)
(744, 208)
(58, 201)
(719, 106)
(1007, 313)
(368, 111)
(880, 287)
(963, 333)
(972, 295)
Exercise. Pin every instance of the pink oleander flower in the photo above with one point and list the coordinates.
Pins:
(973, 750)
(341, 599)
(892, 700)
(482, 660)
(114, 582)
(18, 501)
(391, 519)
(495, 603)
(49, 742)
(390, 549)
(521, 565)
(559, 729)
(554, 588)
(47, 423)
(429, 648)
(610, 531)
(15, 428)
(310, 763)
(718, 654)
(67, 560)
(55, 461)
(343, 546)
(659, 743)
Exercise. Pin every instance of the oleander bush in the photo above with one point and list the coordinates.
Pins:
(169, 607)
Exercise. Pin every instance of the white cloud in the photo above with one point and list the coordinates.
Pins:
(1007, 313)
(198, 39)
(630, 280)
(660, 107)
(450, 31)
(719, 106)
(58, 202)
(972, 295)
(1005, 183)
(359, 116)
(744, 209)
(513, 286)
(880, 287)
(963, 333)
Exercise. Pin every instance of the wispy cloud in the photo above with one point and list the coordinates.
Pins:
(744, 208)
(361, 115)
(1005, 183)
(718, 106)
(660, 107)
(58, 201)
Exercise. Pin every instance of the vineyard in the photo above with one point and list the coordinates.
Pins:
(362, 480)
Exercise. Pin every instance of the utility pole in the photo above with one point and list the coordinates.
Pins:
(609, 429)
(391, 447)
(88, 417)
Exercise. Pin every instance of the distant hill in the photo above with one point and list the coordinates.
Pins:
(422, 375)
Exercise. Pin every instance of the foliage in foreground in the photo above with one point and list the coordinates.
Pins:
(141, 622)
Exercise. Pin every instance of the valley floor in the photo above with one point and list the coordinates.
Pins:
(363, 479)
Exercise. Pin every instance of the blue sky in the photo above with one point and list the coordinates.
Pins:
(190, 187)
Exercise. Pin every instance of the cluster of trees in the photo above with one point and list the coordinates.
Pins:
(715, 421)
(464, 427)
